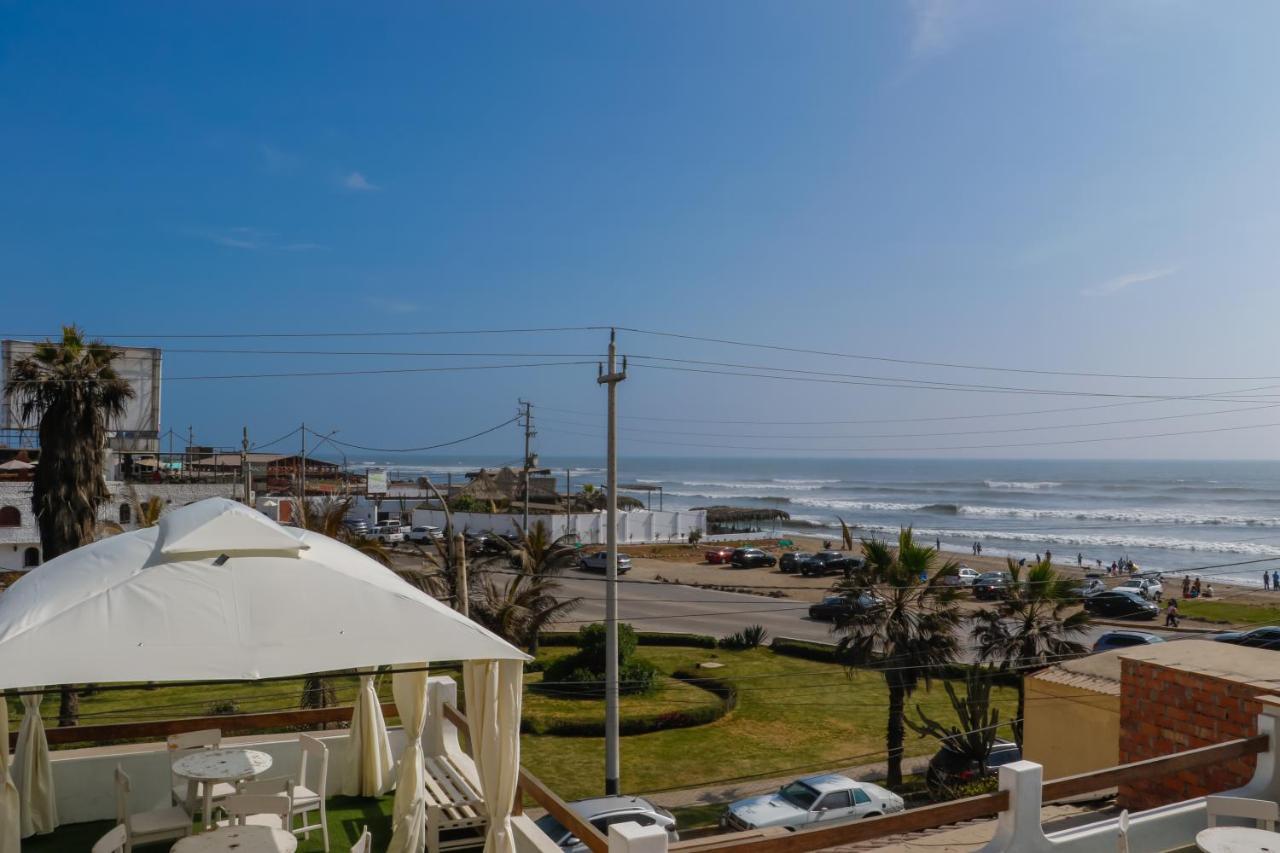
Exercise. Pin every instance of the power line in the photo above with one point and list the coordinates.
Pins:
(375, 334)
(416, 449)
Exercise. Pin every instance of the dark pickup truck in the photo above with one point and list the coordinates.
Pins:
(830, 563)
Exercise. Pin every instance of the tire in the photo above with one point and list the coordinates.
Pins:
(870, 814)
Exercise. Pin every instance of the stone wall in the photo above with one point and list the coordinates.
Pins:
(1166, 710)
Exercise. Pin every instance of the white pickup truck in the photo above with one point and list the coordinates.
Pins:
(1149, 588)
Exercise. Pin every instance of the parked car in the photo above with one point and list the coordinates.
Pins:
(948, 769)
(601, 812)
(792, 560)
(1122, 604)
(719, 556)
(424, 533)
(1091, 586)
(358, 526)
(992, 585)
(1149, 588)
(1125, 639)
(964, 576)
(749, 558)
(1259, 638)
(388, 534)
(843, 606)
(599, 562)
(830, 563)
(814, 799)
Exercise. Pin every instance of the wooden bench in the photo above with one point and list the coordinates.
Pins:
(456, 817)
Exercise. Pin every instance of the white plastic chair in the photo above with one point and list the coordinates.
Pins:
(113, 842)
(164, 824)
(257, 810)
(274, 787)
(310, 797)
(364, 845)
(1264, 813)
(186, 793)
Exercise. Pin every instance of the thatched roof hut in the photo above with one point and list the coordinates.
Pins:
(733, 519)
(484, 487)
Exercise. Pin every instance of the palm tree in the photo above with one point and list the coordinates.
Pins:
(909, 634)
(1031, 628)
(73, 388)
(519, 594)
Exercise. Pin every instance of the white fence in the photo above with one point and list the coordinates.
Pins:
(636, 526)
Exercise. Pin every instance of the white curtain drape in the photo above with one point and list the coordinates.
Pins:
(409, 817)
(493, 692)
(369, 761)
(10, 841)
(33, 773)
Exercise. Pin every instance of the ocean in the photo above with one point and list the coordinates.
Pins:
(1177, 516)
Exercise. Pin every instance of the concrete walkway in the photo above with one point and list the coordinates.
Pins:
(726, 793)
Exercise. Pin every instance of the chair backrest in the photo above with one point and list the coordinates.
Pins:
(241, 806)
(1263, 812)
(113, 841)
(364, 845)
(122, 797)
(315, 755)
(189, 742)
(274, 785)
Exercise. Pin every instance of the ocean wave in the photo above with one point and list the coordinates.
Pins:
(796, 485)
(1131, 516)
(1021, 486)
(805, 482)
(720, 496)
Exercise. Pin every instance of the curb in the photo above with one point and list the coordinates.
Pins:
(1133, 626)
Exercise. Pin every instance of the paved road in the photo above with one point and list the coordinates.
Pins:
(673, 607)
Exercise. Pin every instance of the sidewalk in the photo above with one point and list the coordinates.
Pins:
(754, 787)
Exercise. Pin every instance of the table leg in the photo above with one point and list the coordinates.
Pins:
(207, 816)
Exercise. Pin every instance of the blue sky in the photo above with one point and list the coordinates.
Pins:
(1082, 187)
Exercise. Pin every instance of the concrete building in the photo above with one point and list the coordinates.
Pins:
(1072, 718)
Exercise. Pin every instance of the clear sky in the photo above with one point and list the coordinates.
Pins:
(1082, 186)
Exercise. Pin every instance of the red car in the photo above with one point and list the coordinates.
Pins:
(720, 556)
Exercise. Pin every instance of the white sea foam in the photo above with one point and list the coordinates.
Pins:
(791, 486)
(1021, 486)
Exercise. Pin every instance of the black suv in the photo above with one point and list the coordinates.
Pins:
(843, 606)
(792, 561)
(948, 769)
(991, 585)
(830, 563)
(1259, 638)
(1121, 604)
(747, 558)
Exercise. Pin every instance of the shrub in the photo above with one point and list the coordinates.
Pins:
(221, 707)
(695, 536)
(591, 644)
(583, 673)
(748, 638)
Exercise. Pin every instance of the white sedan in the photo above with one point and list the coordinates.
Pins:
(813, 799)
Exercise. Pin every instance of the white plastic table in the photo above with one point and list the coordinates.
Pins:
(1237, 839)
(238, 839)
(207, 767)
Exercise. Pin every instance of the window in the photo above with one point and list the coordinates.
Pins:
(31, 558)
(860, 797)
(835, 800)
(126, 513)
(10, 516)
(603, 823)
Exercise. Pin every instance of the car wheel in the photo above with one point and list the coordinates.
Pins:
(871, 814)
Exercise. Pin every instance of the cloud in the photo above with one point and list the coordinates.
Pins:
(358, 182)
(938, 25)
(248, 238)
(1120, 282)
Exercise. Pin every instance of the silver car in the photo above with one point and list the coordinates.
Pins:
(601, 812)
(813, 799)
(599, 562)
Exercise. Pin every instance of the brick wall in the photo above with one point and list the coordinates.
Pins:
(1165, 710)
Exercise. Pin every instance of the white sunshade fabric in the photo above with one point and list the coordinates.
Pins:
(219, 591)
(10, 842)
(493, 689)
(39, 806)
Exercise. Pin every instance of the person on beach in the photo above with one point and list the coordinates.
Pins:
(1080, 560)
(1171, 614)
(1266, 581)
(1195, 588)
(1186, 586)
(1048, 555)
(979, 549)
(937, 543)
(1275, 580)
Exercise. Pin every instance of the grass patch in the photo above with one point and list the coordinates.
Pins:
(1228, 612)
(793, 716)
(701, 816)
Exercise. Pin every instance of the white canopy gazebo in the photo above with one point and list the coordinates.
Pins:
(219, 591)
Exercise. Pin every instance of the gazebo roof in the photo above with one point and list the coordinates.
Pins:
(219, 591)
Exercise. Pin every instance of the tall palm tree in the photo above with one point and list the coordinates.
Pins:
(908, 634)
(73, 388)
(519, 594)
(1031, 628)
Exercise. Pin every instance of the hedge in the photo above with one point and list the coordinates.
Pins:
(647, 723)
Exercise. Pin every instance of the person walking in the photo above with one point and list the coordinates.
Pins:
(1171, 614)
(937, 543)
(1266, 581)
(1275, 580)
(1186, 585)
(1048, 555)
(1080, 560)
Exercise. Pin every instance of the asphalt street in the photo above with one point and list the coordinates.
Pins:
(674, 607)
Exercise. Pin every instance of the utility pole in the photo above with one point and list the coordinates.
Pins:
(245, 472)
(303, 496)
(187, 456)
(611, 763)
(528, 460)
(463, 602)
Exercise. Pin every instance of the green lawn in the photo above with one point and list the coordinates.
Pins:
(1225, 611)
(793, 716)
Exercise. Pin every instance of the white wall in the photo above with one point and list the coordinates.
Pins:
(635, 526)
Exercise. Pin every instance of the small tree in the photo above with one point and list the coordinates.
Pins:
(695, 536)
(978, 721)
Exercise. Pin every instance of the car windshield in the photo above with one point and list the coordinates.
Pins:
(833, 599)
(992, 576)
(799, 795)
(552, 828)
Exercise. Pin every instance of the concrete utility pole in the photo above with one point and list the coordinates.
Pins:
(528, 460)
(463, 603)
(245, 472)
(611, 763)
